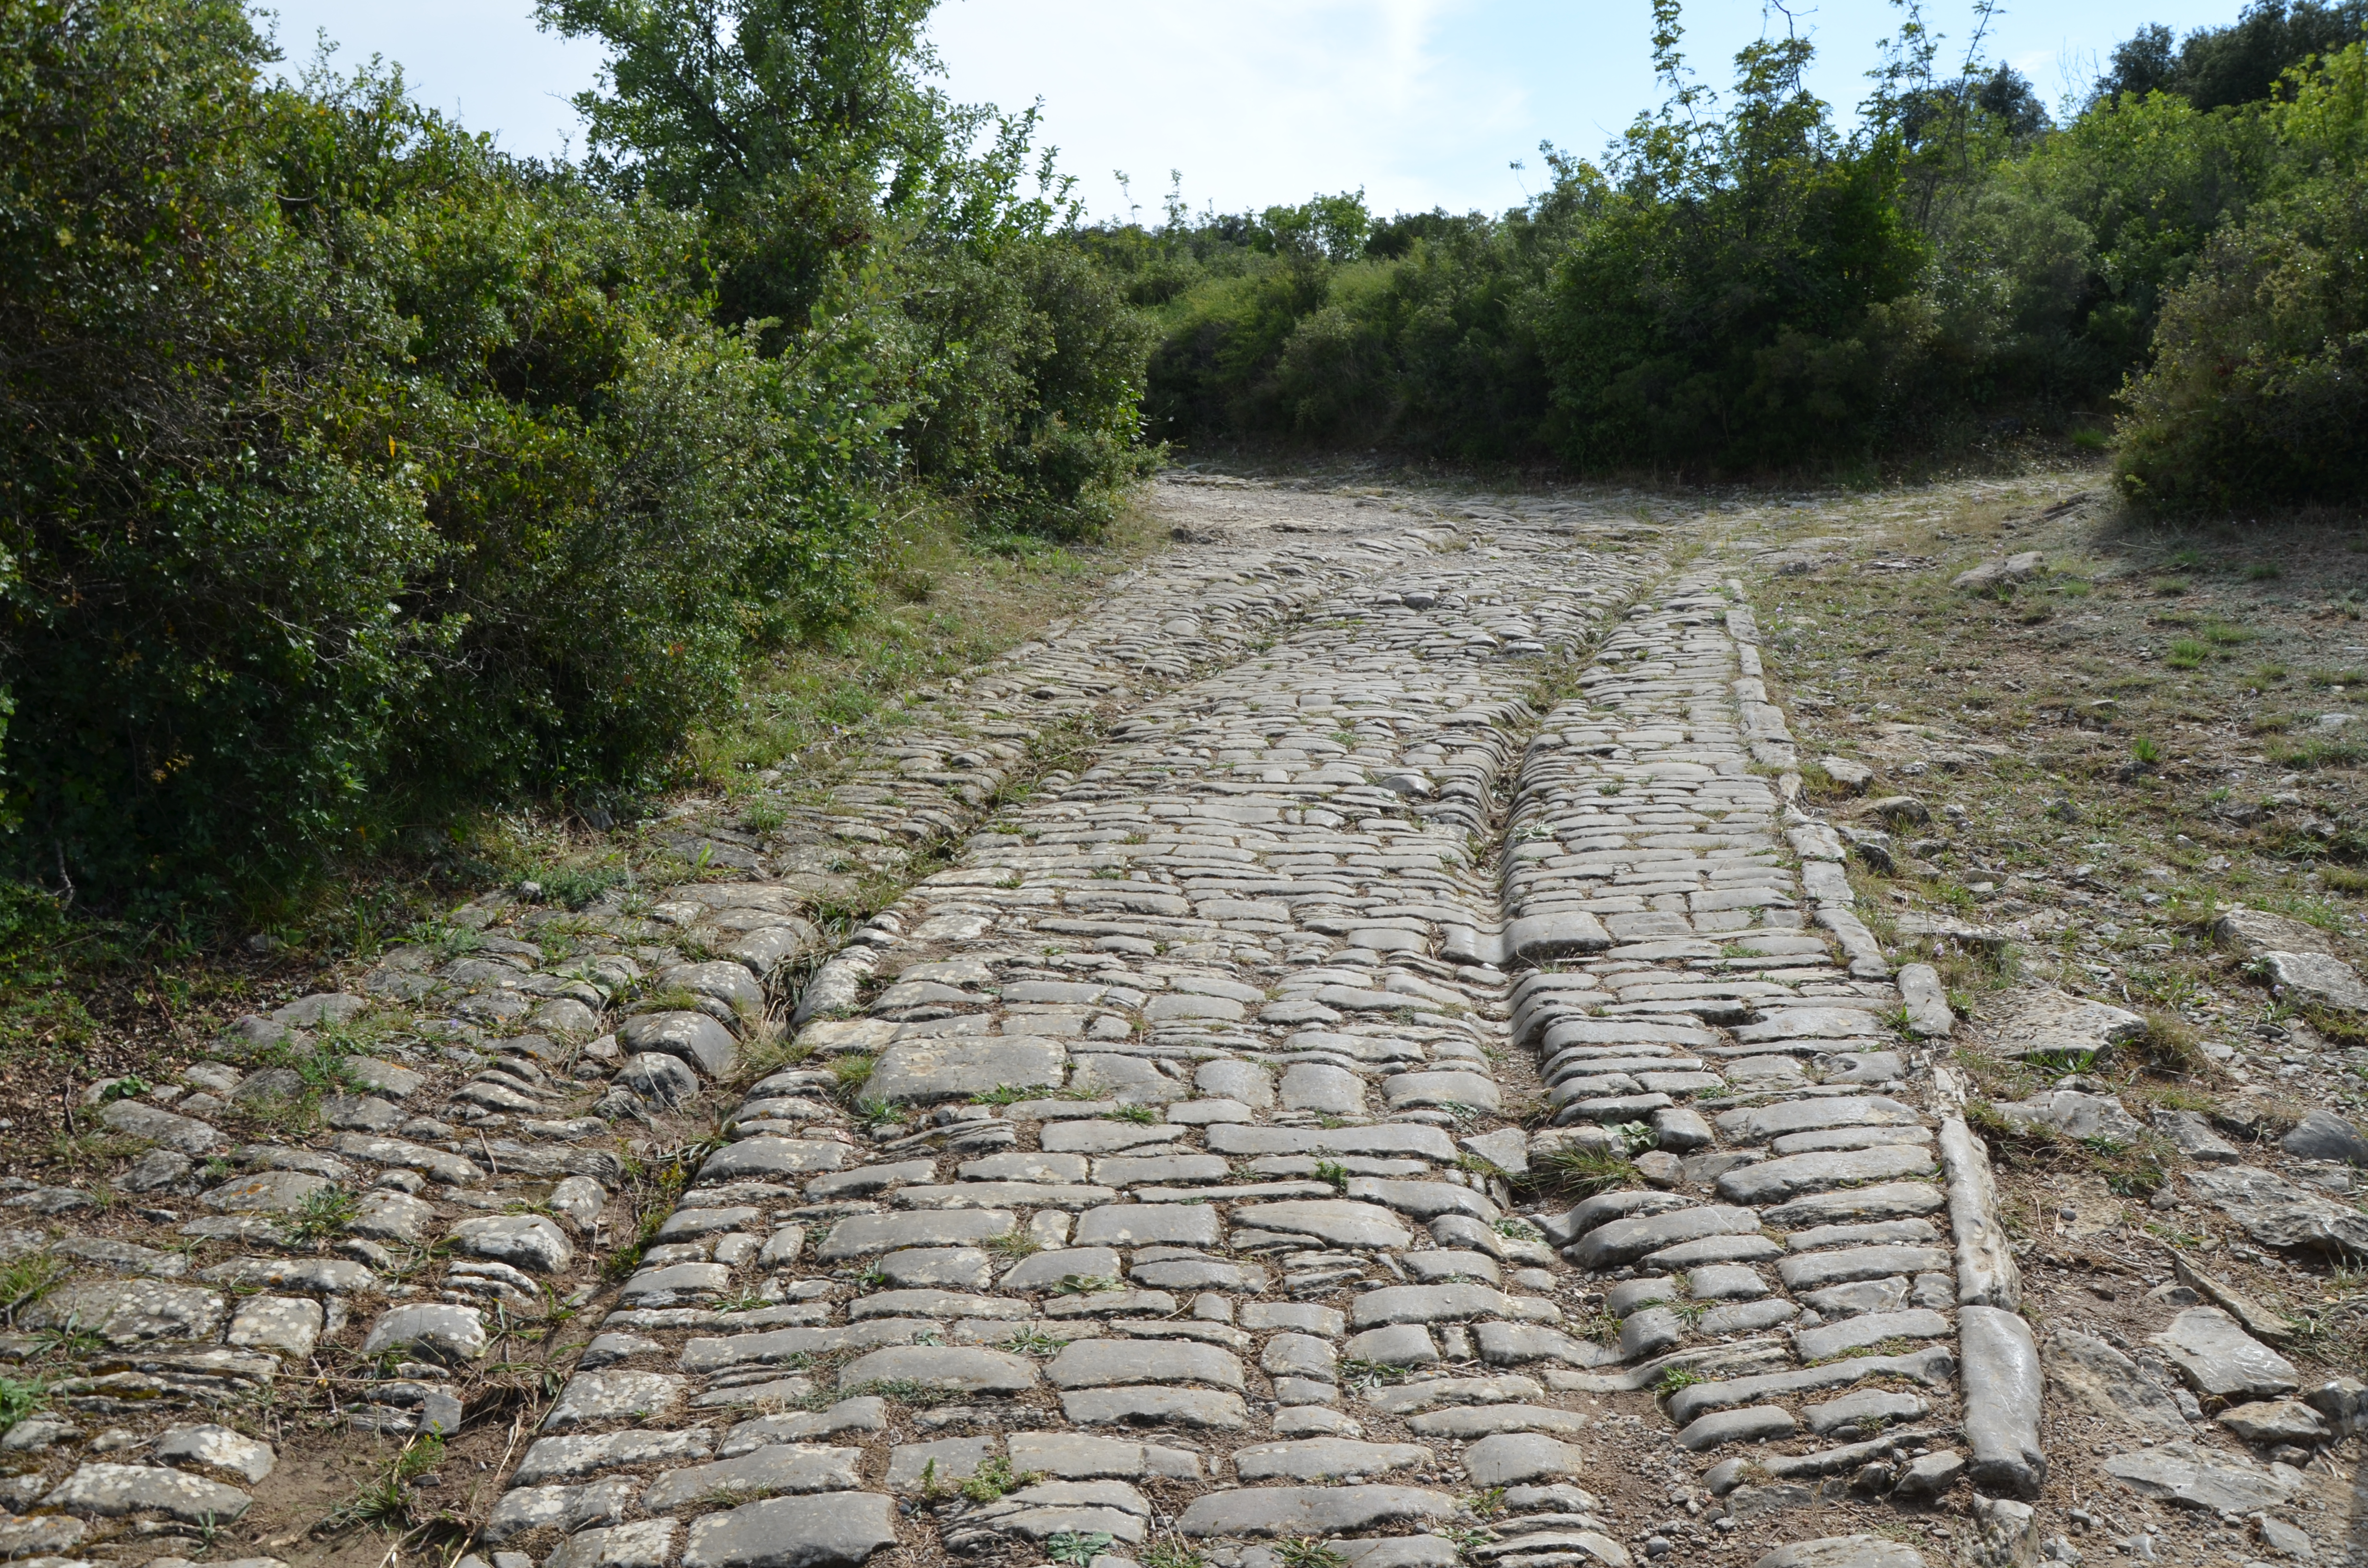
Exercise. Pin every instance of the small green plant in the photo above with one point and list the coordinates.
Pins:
(1675, 1377)
(1637, 1136)
(1075, 1549)
(124, 1089)
(322, 1215)
(1012, 1245)
(1572, 1169)
(1171, 1553)
(994, 1478)
(1002, 1094)
(2186, 653)
(1142, 1114)
(19, 1397)
(1515, 1229)
(2145, 752)
(2263, 572)
(2170, 587)
(1308, 1553)
(1035, 1342)
(27, 1278)
(1333, 1171)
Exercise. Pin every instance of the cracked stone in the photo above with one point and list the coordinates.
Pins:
(2220, 1360)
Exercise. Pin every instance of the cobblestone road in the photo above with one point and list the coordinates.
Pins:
(1173, 1173)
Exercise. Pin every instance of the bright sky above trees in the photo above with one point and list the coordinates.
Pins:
(1419, 102)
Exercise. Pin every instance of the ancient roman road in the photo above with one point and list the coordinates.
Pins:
(1418, 1093)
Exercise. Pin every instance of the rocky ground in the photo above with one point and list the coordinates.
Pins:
(1422, 1028)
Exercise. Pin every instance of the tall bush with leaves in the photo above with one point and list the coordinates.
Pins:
(349, 464)
(2258, 391)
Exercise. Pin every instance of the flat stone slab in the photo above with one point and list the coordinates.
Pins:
(565, 1508)
(1335, 1222)
(1511, 1459)
(2274, 1421)
(1466, 1423)
(762, 1157)
(2094, 1374)
(964, 1369)
(1747, 1424)
(1761, 1123)
(216, 1450)
(112, 1491)
(1843, 1552)
(866, 1235)
(1150, 1224)
(126, 1312)
(1619, 1242)
(945, 1067)
(2191, 1477)
(1325, 1458)
(2319, 979)
(2075, 1115)
(556, 1458)
(835, 1530)
(183, 1134)
(1882, 1201)
(2220, 1360)
(1774, 1181)
(1215, 1409)
(1867, 1328)
(777, 1467)
(530, 1242)
(593, 1397)
(1265, 1513)
(267, 1192)
(2323, 1135)
(434, 1331)
(403, 1154)
(1106, 1363)
(2050, 1024)
(2274, 1212)
(1809, 1271)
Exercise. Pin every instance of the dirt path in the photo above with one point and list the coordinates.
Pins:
(1398, 1050)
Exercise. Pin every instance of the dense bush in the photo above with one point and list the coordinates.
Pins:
(351, 471)
(1742, 287)
(2258, 390)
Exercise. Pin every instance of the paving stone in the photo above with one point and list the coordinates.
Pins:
(593, 1397)
(769, 1157)
(1214, 1409)
(2075, 1115)
(962, 1369)
(944, 1067)
(1868, 1407)
(1073, 1456)
(1311, 1085)
(866, 1235)
(1777, 1180)
(266, 1192)
(659, 1077)
(1619, 1242)
(565, 1508)
(404, 1154)
(1299, 1356)
(793, 1532)
(112, 1491)
(864, 1414)
(553, 1459)
(1102, 1363)
(386, 1215)
(2003, 1393)
(1466, 1423)
(1149, 1224)
(778, 1468)
(1749, 1424)
(182, 1134)
(1046, 1270)
(287, 1325)
(1334, 1223)
(1303, 1317)
(1508, 1458)
(2220, 1360)
(216, 1450)
(1325, 1458)
(1270, 1512)
(1843, 1552)
(525, 1241)
(428, 1331)
(1807, 1271)
(127, 1311)
(1889, 1199)
(1869, 1328)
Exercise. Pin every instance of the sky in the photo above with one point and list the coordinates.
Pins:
(1417, 103)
